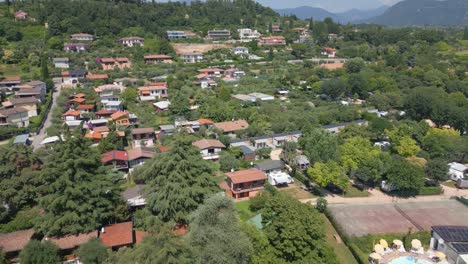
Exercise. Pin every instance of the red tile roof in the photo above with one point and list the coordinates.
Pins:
(15, 241)
(248, 175)
(97, 76)
(85, 107)
(114, 155)
(117, 235)
(232, 126)
(137, 153)
(139, 235)
(105, 112)
(72, 241)
(72, 113)
(158, 84)
(77, 100)
(118, 115)
(208, 143)
(204, 121)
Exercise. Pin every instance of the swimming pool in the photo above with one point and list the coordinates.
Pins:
(409, 260)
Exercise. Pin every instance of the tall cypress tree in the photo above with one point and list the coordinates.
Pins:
(78, 194)
(178, 181)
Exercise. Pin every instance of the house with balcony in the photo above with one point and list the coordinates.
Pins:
(153, 91)
(240, 50)
(272, 41)
(219, 34)
(158, 58)
(75, 47)
(71, 115)
(17, 116)
(121, 118)
(329, 52)
(8, 82)
(82, 37)
(28, 103)
(231, 127)
(143, 137)
(109, 64)
(210, 149)
(245, 183)
(113, 105)
(139, 155)
(118, 159)
(37, 93)
(132, 41)
(176, 34)
(248, 34)
(194, 57)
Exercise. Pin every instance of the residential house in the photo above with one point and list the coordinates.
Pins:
(329, 52)
(302, 162)
(230, 127)
(244, 98)
(332, 37)
(452, 241)
(279, 139)
(101, 89)
(191, 57)
(28, 103)
(276, 29)
(71, 115)
(120, 118)
(143, 137)
(69, 243)
(139, 155)
(120, 235)
(134, 196)
(272, 41)
(248, 153)
(126, 81)
(118, 159)
(85, 108)
(61, 63)
(240, 50)
(248, 34)
(457, 170)
(12, 243)
(155, 59)
(82, 37)
(153, 91)
(245, 183)
(22, 140)
(212, 72)
(262, 97)
(270, 166)
(75, 47)
(96, 134)
(219, 34)
(113, 105)
(162, 106)
(166, 130)
(262, 142)
(132, 41)
(17, 116)
(48, 141)
(97, 77)
(98, 122)
(77, 73)
(8, 82)
(234, 73)
(210, 149)
(20, 15)
(335, 129)
(103, 114)
(109, 64)
(176, 34)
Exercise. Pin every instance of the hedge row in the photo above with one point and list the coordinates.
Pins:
(430, 190)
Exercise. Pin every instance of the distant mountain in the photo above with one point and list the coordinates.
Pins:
(306, 12)
(425, 12)
(358, 15)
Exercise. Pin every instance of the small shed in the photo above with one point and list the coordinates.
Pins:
(22, 139)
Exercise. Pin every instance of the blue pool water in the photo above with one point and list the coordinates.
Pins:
(409, 260)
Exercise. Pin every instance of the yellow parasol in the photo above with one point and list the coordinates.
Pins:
(378, 249)
(416, 244)
(375, 256)
(383, 243)
(398, 243)
(440, 255)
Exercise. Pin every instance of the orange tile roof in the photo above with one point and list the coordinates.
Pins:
(15, 241)
(94, 135)
(117, 235)
(118, 115)
(72, 241)
(248, 175)
(107, 60)
(101, 129)
(232, 126)
(205, 121)
(65, 73)
(72, 113)
(208, 143)
(97, 76)
(158, 84)
(77, 100)
(85, 107)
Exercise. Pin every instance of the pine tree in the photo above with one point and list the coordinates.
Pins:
(311, 24)
(178, 181)
(44, 69)
(78, 194)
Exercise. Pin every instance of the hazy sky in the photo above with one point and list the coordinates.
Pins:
(330, 5)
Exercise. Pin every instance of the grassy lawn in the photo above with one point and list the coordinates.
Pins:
(344, 255)
(352, 191)
(243, 210)
(451, 184)
(296, 192)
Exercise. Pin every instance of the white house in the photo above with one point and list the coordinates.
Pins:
(192, 57)
(61, 63)
(248, 34)
(457, 170)
(132, 41)
(240, 50)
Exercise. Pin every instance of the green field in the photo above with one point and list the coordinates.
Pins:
(352, 191)
(243, 210)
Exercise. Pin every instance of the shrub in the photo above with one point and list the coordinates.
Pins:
(430, 190)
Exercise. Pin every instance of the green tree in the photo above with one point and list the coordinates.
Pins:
(402, 143)
(78, 194)
(296, 231)
(44, 68)
(92, 252)
(228, 161)
(178, 181)
(405, 176)
(40, 252)
(319, 145)
(328, 173)
(298, 50)
(129, 96)
(321, 205)
(334, 88)
(437, 169)
(216, 234)
(354, 65)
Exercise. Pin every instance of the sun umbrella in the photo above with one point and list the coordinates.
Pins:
(378, 249)
(375, 256)
(383, 243)
(440, 255)
(416, 244)
(398, 243)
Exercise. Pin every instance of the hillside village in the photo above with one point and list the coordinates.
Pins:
(302, 141)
